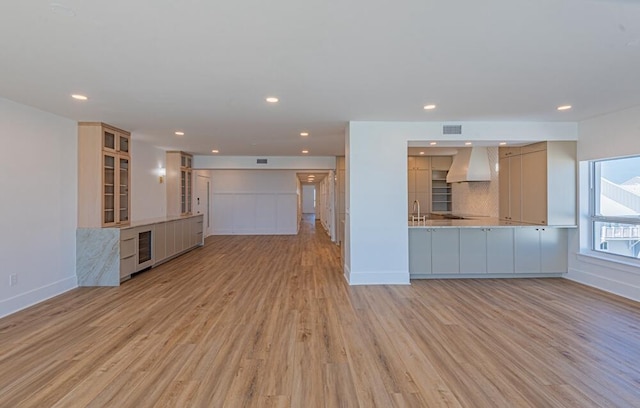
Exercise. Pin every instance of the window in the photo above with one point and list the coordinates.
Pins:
(615, 206)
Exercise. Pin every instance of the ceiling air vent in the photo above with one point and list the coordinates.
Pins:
(452, 129)
(261, 161)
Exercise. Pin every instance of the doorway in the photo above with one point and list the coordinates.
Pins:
(203, 189)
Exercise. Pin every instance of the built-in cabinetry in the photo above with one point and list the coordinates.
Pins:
(107, 256)
(538, 183)
(426, 184)
(179, 183)
(487, 251)
(104, 175)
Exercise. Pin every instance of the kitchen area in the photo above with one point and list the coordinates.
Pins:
(490, 211)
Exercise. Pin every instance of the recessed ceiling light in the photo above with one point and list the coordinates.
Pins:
(305, 151)
(502, 143)
(272, 99)
(304, 133)
(79, 97)
(62, 10)
(433, 143)
(215, 151)
(179, 133)
(429, 107)
(467, 143)
(421, 152)
(564, 107)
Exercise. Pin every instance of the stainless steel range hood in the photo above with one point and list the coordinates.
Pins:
(470, 164)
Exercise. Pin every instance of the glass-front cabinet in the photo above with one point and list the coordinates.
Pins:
(116, 177)
(104, 173)
(179, 183)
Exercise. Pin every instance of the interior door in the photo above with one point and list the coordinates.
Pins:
(201, 204)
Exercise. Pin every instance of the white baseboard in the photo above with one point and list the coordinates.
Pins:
(378, 278)
(628, 290)
(30, 298)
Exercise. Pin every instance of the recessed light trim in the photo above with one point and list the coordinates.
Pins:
(179, 133)
(62, 10)
(272, 99)
(502, 143)
(429, 107)
(564, 107)
(79, 97)
(433, 143)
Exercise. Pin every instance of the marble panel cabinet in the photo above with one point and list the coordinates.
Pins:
(108, 256)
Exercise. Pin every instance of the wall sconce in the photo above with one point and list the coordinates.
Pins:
(161, 173)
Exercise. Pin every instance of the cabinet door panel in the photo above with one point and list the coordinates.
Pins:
(419, 251)
(553, 250)
(534, 187)
(422, 181)
(503, 189)
(473, 250)
(159, 242)
(445, 250)
(171, 238)
(500, 250)
(527, 250)
(515, 188)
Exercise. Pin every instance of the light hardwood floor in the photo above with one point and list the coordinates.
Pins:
(268, 321)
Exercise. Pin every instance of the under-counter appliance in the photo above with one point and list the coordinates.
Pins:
(145, 259)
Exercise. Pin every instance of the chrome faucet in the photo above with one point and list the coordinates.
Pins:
(416, 203)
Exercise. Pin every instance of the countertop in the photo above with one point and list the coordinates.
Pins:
(478, 222)
(151, 221)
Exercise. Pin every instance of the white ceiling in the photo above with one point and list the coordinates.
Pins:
(205, 67)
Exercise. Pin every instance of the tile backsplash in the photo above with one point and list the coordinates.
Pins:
(478, 197)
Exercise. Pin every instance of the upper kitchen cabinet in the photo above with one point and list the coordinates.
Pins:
(510, 184)
(418, 184)
(179, 183)
(104, 176)
(547, 182)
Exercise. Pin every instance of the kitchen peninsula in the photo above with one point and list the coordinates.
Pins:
(486, 247)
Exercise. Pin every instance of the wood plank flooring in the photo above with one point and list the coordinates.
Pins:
(268, 321)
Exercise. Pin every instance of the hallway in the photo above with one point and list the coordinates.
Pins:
(269, 321)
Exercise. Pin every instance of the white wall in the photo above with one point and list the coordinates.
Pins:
(148, 195)
(376, 187)
(613, 135)
(38, 180)
(308, 199)
(254, 202)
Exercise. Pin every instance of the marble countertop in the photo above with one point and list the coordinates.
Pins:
(151, 221)
(477, 222)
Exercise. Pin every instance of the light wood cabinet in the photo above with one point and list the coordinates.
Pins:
(179, 183)
(510, 187)
(104, 176)
(546, 191)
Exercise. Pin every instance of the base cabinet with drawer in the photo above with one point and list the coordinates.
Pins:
(108, 256)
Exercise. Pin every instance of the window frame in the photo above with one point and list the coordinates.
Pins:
(594, 209)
